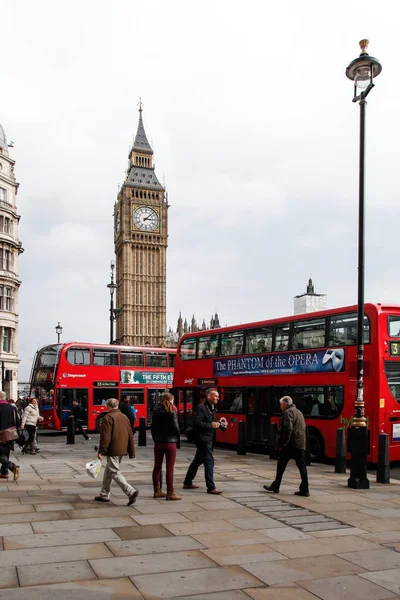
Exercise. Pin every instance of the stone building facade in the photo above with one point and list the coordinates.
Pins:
(141, 238)
(10, 249)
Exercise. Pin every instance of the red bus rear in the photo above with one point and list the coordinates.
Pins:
(311, 357)
(92, 373)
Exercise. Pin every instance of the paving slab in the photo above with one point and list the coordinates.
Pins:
(31, 517)
(285, 534)
(238, 555)
(374, 560)
(289, 591)
(15, 529)
(162, 519)
(388, 579)
(287, 571)
(348, 587)
(192, 528)
(231, 538)
(196, 581)
(145, 564)
(256, 522)
(231, 595)
(158, 508)
(41, 540)
(11, 509)
(142, 532)
(101, 511)
(217, 515)
(319, 547)
(8, 577)
(51, 554)
(153, 546)
(79, 524)
(54, 573)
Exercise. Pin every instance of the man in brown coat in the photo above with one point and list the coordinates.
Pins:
(291, 441)
(116, 440)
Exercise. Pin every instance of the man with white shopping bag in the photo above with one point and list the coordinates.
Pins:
(116, 440)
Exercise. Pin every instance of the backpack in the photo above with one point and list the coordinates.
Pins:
(134, 413)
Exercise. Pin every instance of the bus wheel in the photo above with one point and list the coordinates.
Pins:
(317, 446)
(98, 423)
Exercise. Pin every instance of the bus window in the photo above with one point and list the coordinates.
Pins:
(392, 371)
(259, 340)
(232, 343)
(136, 396)
(78, 356)
(282, 337)
(309, 334)
(207, 346)
(101, 395)
(343, 330)
(231, 400)
(394, 326)
(187, 350)
(171, 358)
(156, 359)
(132, 359)
(105, 358)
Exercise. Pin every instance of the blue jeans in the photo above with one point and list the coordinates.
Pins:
(204, 456)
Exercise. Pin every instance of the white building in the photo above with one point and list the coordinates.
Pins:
(310, 301)
(10, 249)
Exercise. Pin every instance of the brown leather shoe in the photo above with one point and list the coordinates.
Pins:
(16, 472)
(191, 487)
(215, 491)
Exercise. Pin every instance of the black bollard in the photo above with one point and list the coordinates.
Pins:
(142, 431)
(340, 459)
(241, 445)
(71, 430)
(308, 453)
(383, 467)
(272, 431)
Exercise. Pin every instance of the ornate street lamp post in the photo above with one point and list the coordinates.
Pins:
(112, 287)
(362, 71)
(58, 331)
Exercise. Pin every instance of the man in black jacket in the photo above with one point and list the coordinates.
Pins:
(7, 420)
(77, 413)
(205, 424)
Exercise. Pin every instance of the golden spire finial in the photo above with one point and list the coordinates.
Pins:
(364, 46)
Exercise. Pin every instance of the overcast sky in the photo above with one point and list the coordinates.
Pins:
(250, 116)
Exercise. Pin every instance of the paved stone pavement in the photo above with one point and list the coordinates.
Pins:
(57, 543)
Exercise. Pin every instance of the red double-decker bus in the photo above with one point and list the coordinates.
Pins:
(312, 358)
(92, 373)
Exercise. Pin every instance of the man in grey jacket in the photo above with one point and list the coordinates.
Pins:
(291, 441)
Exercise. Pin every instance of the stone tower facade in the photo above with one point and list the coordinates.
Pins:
(10, 249)
(141, 239)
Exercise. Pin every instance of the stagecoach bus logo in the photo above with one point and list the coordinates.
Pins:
(74, 375)
(336, 356)
(189, 381)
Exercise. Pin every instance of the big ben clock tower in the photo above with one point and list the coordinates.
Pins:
(141, 238)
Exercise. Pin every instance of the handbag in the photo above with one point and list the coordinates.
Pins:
(9, 435)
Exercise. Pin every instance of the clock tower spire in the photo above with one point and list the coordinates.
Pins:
(140, 238)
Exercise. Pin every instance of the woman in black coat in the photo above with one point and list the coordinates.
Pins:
(165, 433)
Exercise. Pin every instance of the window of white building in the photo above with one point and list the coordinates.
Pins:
(3, 194)
(6, 339)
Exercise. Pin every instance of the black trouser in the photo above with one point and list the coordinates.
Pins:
(78, 425)
(204, 456)
(6, 464)
(299, 456)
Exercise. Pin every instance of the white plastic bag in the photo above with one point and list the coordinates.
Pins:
(93, 468)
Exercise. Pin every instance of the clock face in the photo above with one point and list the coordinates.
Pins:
(145, 218)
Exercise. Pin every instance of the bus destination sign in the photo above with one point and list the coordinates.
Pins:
(208, 381)
(105, 383)
(394, 349)
(147, 377)
(317, 361)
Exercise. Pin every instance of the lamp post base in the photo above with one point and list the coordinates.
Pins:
(358, 479)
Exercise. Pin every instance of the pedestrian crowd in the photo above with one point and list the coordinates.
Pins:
(116, 441)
